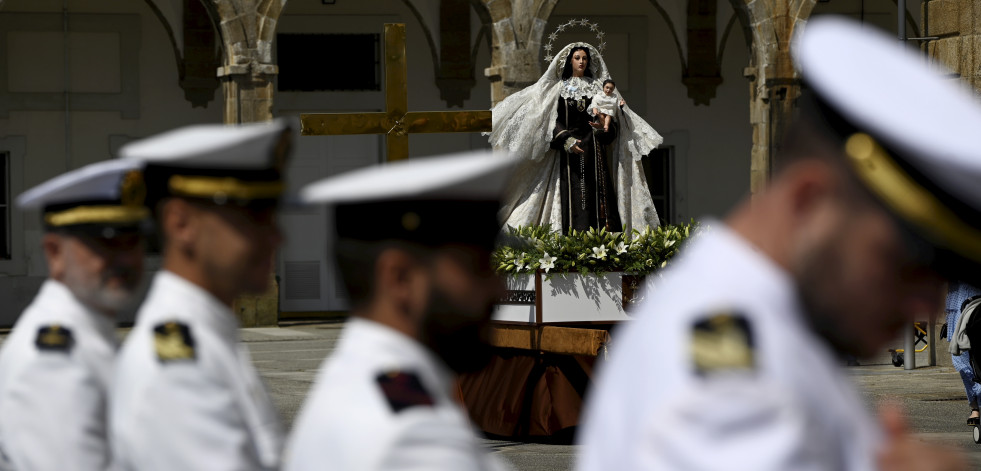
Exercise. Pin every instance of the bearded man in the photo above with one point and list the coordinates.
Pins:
(849, 243)
(414, 243)
(56, 366)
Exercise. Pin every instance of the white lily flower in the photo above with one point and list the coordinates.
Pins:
(599, 253)
(519, 262)
(621, 248)
(547, 262)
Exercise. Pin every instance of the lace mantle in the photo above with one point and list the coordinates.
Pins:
(577, 87)
(523, 124)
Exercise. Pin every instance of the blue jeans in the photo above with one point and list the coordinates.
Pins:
(963, 363)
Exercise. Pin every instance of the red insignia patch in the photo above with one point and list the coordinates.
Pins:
(403, 390)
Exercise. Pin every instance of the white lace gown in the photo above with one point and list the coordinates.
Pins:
(523, 125)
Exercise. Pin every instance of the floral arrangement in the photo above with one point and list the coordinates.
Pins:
(527, 249)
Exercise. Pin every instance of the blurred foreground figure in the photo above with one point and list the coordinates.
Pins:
(56, 366)
(413, 246)
(867, 211)
(186, 395)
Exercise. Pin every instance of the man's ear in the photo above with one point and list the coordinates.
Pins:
(55, 255)
(808, 185)
(178, 224)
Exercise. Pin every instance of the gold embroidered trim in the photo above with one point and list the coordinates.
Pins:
(224, 187)
(910, 200)
(97, 215)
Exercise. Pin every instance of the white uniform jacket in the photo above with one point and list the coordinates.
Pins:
(186, 395)
(55, 374)
(382, 402)
(721, 371)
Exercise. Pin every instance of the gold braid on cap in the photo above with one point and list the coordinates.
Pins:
(97, 215)
(569, 24)
(132, 193)
(908, 198)
(223, 187)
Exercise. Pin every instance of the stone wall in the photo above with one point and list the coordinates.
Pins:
(956, 24)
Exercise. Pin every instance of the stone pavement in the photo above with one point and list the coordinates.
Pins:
(288, 359)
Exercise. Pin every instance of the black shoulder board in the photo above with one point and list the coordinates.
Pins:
(173, 341)
(722, 342)
(403, 390)
(54, 338)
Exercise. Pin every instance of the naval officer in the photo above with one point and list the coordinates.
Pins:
(56, 365)
(186, 394)
(413, 247)
(868, 208)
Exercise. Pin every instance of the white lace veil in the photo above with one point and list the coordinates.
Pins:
(523, 124)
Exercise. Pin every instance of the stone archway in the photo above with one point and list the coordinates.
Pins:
(247, 29)
(774, 85)
(516, 39)
(193, 34)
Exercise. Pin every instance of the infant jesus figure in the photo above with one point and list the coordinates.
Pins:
(606, 103)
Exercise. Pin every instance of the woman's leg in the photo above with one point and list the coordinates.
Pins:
(962, 363)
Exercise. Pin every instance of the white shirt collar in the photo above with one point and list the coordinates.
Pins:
(173, 297)
(748, 262)
(56, 297)
(404, 352)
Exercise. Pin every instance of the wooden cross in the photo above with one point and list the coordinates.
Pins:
(397, 122)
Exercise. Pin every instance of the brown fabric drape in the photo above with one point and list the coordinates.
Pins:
(528, 394)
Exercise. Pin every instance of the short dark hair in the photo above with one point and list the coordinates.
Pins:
(567, 70)
(610, 81)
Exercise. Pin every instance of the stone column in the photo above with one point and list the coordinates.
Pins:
(517, 30)
(774, 85)
(247, 29)
(248, 92)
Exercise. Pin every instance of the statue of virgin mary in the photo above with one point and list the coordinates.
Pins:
(572, 174)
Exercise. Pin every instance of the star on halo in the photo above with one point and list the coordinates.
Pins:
(593, 27)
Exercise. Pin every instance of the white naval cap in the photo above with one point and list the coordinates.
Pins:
(475, 175)
(908, 131)
(216, 162)
(110, 192)
(430, 201)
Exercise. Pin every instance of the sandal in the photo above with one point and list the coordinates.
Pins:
(976, 421)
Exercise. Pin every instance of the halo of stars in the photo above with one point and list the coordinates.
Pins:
(600, 35)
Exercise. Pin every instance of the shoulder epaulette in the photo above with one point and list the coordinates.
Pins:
(722, 342)
(54, 338)
(403, 390)
(173, 341)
